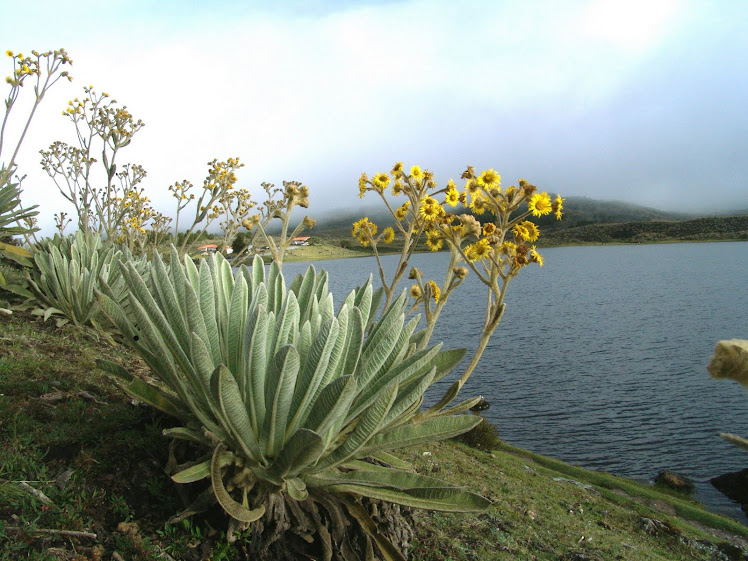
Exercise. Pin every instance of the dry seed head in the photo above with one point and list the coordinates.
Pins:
(460, 272)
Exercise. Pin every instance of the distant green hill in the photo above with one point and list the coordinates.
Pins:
(700, 229)
(585, 221)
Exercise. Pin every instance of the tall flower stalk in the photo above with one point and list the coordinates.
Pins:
(493, 247)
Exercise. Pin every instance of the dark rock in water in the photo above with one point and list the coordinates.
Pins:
(482, 405)
(734, 485)
(674, 481)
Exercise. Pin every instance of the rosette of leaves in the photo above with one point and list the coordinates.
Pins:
(67, 271)
(11, 213)
(297, 407)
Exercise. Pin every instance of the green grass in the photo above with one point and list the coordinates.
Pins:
(69, 433)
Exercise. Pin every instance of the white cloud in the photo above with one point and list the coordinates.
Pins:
(322, 97)
(631, 24)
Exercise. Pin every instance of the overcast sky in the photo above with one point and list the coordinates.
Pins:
(641, 101)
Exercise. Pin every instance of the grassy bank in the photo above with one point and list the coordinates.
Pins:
(81, 477)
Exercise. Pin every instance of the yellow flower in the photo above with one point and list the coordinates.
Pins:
(364, 231)
(415, 292)
(536, 257)
(435, 292)
(9, 53)
(388, 235)
(381, 181)
(540, 204)
(472, 186)
(520, 232)
(533, 232)
(488, 229)
(358, 225)
(402, 212)
(478, 250)
(397, 169)
(434, 240)
(478, 204)
(489, 179)
(452, 196)
(397, 187)
(509, 249)
(430, 209)
(558, 206)
(362, 185)
(416, 173)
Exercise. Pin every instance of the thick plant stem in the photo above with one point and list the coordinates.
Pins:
(494, 313)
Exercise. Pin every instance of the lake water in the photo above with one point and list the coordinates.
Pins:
(600, 359)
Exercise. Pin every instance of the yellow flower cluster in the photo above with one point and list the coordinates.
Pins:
(463, 233)
(25, 66)
(364, 231)
(221, 175)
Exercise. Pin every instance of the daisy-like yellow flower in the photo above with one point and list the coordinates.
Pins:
(435, 292)
(402, 212)
(489, 179)
(478, 204)
(388, 235)
(558, 206)
(472, 186)
(520, 232)
(358, 225)
(540, 204)
(489, 229)
(416, 173)
(380, 181)
(397, 169)
(430, 209)
(9, 53)
(509, 249)
(434, 240)
(364, 231)
(478, 250)
(463, 198)
(415, 291)
(452, 196)
(397, 187)
(536, 257)
(362, 185)
(533, 232)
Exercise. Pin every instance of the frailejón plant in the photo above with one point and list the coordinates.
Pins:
(67, 271)
(297, 406)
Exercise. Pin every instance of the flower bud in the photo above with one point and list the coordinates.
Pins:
(460, 272)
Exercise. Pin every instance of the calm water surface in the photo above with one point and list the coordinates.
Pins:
(600, 359)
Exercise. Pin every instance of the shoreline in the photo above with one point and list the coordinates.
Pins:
(325, 251)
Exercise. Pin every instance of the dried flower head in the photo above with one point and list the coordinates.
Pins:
(470, 226)
(460, 272)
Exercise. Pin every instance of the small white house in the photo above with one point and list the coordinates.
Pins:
(300, 241)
